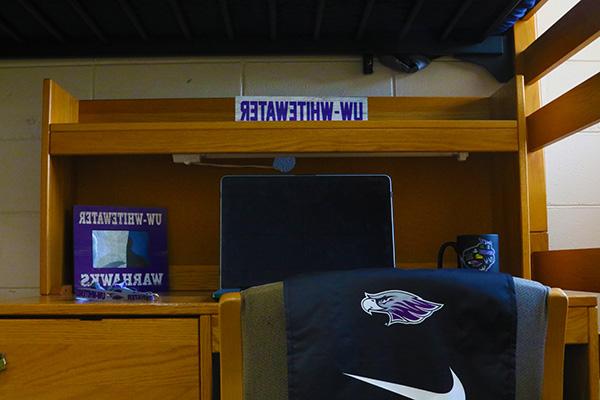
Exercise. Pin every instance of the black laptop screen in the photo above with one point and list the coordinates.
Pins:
(273, 227)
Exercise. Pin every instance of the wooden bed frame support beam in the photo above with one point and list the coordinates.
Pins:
(88, 20)
(572, 112)
(574, 31)
(181, 19)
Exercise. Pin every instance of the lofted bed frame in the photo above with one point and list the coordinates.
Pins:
(119, 152)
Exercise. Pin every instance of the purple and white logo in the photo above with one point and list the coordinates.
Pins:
(401, 307)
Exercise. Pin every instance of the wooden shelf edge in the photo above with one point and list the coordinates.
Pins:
(300, 125)
(168, 305)
(274, 138)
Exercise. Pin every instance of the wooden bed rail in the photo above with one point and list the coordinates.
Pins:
(577, 109)
(575, 30)
(572, 112)
(577, 269)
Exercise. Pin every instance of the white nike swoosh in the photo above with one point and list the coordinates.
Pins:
(456, 393)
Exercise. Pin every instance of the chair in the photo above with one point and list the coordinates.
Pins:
(576, 270)
(238, 372)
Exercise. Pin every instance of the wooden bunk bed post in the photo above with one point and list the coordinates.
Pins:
(524, 35)
(507, 103)
(523, 187)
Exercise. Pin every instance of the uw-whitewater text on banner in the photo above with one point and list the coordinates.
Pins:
(259, 108)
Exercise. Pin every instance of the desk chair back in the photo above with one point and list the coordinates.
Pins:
(253, 373)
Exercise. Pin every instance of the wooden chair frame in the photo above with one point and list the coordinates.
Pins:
(576, 270)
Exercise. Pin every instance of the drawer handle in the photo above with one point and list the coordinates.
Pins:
(2, 362)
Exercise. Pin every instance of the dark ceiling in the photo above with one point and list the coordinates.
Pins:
(76, 28)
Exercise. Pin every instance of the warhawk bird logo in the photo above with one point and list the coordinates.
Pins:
(401, 307)
(481, 256)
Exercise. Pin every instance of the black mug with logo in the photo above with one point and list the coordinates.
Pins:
(479, 252)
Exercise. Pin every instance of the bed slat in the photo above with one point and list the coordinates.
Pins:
(575, 30)
(572, 112)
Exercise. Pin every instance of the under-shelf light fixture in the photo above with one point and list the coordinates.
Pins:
(285, 162)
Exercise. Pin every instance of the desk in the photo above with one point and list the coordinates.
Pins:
(58, 348)
(582, 349)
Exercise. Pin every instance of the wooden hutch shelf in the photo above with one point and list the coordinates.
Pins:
(118, 152)
(284, 137)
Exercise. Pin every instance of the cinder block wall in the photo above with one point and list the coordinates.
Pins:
(572, 165)
(573, 181)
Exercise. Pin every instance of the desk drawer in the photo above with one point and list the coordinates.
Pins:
(149, 358)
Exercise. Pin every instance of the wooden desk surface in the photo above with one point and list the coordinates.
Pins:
(174, 304)
(183, 303)
(582, 299)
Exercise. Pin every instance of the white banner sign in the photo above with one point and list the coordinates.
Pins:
(267, 108)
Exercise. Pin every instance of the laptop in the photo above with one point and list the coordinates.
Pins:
(277, 226)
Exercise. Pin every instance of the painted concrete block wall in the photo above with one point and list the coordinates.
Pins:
(572, 165)
(20, 112)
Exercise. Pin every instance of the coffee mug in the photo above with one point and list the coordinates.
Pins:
(479, 252)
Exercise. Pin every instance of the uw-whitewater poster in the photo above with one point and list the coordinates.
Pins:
(120, 246)
(296, 108)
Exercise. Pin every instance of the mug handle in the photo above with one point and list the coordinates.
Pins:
(443, 247)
